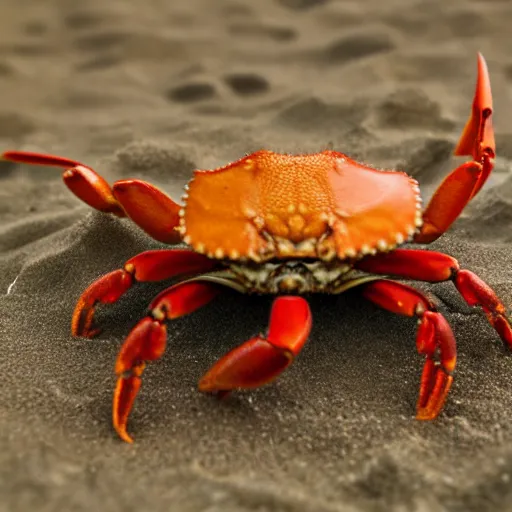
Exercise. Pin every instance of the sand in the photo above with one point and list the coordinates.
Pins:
(155, 89)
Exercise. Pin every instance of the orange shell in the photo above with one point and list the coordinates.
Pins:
(322, 205)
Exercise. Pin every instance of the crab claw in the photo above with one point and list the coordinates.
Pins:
(261, 359)
(477, 138)
(105, 290)
(434, 338)
(146, 342)
(462, 184)
(153, 265)
(434, 334)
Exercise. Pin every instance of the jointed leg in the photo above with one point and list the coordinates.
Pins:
(459, 187)
(435, 267)
(151, 209)
(147, 340)
(434, 339)
(156, 265)
(261, 359)
(254, 363)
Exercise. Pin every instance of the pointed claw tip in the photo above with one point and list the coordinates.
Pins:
(206, 385)
(120, 428)
(425, 416)
(481, 59)
(481, 63)
(123, 434)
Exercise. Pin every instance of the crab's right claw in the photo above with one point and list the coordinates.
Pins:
(462, 184)
(477, 139)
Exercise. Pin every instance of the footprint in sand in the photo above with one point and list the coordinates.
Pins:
(299, 5)
(246, 84)
(357, 46)
(259, 31)
(35, 28)
(312, 114)
(81, 20)
(191, 92)
(99, 41)
(99, 62)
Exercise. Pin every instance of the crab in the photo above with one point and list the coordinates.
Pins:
(290, 225)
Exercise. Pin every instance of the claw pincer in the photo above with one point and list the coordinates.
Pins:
(146, 342)
(263, 358)
(106, 290)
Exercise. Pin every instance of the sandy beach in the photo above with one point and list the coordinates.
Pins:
(156, 89)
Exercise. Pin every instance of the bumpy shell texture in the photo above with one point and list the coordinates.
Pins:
(323, 205)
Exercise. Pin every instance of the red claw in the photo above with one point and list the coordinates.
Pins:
(434, 338)
(125, 393)
(260, 360)
(146, 342)
(478, 135)
(435, 334)
(155, 265)
(105, 290)
(459, 187)
(153, 211)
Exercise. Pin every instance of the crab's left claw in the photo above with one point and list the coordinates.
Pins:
(261, 359)
(460, 186)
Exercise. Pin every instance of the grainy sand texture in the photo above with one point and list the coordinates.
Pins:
(155, 89)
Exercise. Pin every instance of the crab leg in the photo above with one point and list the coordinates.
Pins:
(435, 267)
(85, 183)
(261, 359)
(147, 341)
(434, 339)
(459, 187)
(151, 209)
(155, 265)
